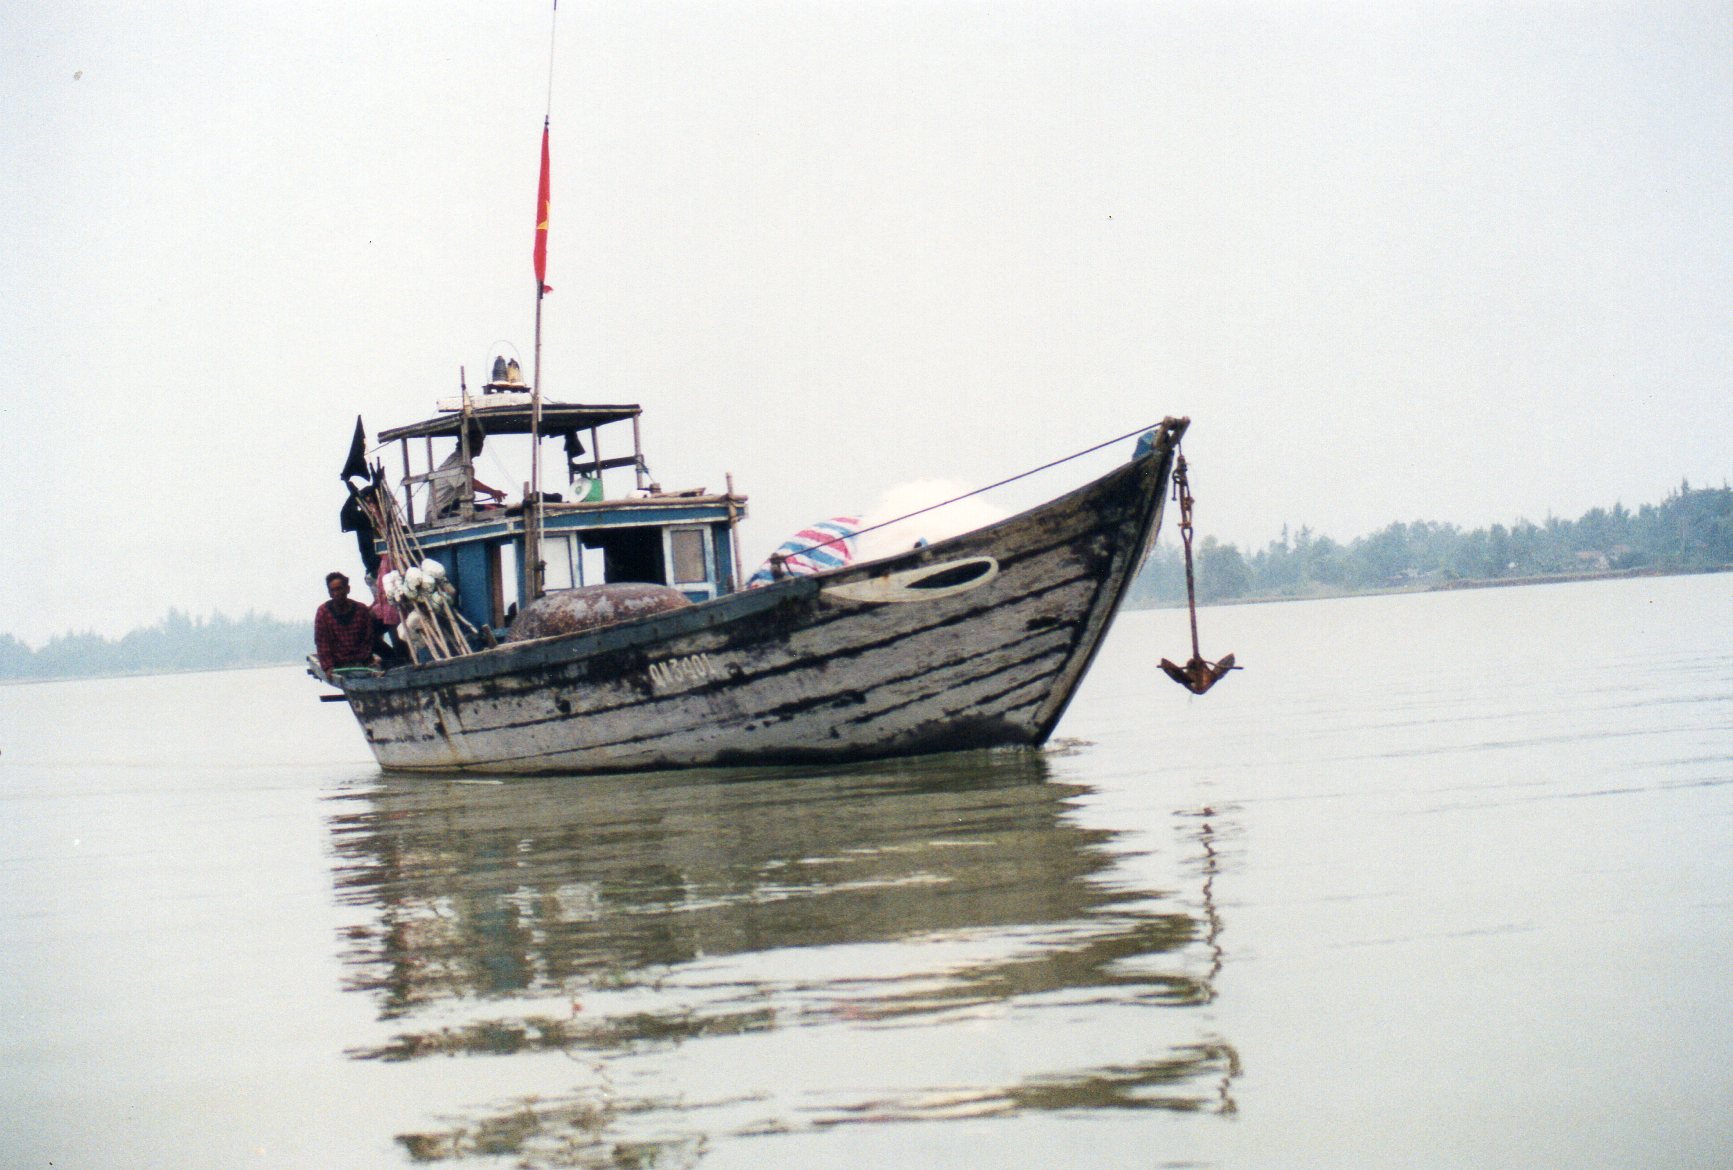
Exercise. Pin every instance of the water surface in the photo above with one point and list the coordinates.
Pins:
(1441, 880)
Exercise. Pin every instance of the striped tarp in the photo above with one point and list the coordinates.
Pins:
(828, 544)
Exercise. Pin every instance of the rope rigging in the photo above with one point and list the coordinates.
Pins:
(858, 532)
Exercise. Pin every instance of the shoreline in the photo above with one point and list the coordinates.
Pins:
(1265, 599)
(1448, 586)
(57, 678)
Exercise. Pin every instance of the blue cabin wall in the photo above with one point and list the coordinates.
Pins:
(724, 568)
(466, 565)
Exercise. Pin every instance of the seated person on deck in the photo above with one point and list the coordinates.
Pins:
(343, 628)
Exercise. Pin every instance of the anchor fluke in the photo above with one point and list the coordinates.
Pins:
(1198, 676)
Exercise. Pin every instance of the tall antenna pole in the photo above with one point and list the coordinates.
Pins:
(534, 565)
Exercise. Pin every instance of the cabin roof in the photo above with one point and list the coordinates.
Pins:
(514, 419)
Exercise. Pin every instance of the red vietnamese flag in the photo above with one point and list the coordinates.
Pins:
(541, 252)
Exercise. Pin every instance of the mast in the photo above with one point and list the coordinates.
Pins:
(534, 566)
(533, 563)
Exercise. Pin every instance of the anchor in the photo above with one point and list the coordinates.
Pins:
(1199, 674)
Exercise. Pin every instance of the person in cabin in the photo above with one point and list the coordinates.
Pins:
(446, 486)
(343, 628)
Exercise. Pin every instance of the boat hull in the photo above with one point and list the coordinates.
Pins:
(977, 641)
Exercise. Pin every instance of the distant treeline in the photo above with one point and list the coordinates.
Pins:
(178, 642)
(1691, 530)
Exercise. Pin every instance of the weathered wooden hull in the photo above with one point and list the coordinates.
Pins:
(976, 641)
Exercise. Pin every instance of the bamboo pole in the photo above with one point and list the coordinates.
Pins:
(734, 534)
(441, 628)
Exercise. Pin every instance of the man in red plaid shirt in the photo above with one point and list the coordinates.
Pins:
(343, 629)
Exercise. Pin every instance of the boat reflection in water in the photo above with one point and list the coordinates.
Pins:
(731, 953)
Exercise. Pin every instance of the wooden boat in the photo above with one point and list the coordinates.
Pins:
(975, 641)
(613, 633)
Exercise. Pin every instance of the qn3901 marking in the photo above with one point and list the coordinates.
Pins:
(681, 672)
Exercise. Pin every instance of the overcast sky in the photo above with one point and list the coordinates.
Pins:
(1463, 262)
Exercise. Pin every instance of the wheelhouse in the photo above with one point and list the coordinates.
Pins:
(611, 523)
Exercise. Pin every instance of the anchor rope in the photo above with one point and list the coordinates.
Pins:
(1199, 674)
(1182, 493)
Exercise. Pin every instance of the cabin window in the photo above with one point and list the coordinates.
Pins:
(630, 554)
(591, 570)
(507, 586)
(557, 556)
(686, 547)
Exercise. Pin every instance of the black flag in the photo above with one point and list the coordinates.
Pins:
(356, 466)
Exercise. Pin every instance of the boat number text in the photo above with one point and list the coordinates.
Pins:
(679, 672)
